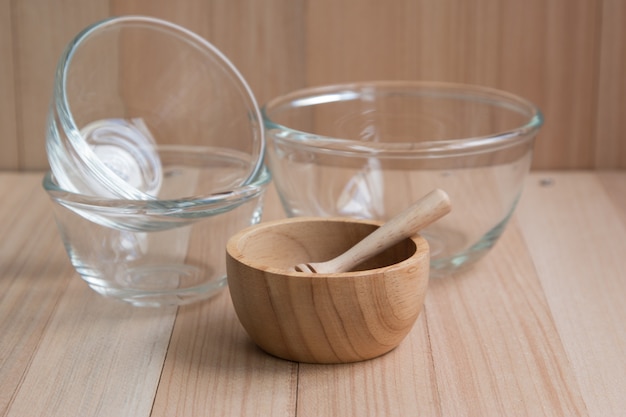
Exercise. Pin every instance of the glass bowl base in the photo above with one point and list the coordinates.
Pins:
(161, 288)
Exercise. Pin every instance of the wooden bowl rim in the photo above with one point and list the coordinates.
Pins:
(234, 252)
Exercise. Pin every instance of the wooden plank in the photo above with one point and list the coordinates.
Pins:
(610, 133)
(98, 357)
(213, 369)
(476, 350)
(256, 41)
(210, 351)
(8, 128)
(614, 182)
(264, 40)
(495, 349)
(30, 285)
(400, 383)
(554, 53)
(536, 328)
(358, 40)
(577, 240)
(42, 29)
(65, 350)
(544, 51)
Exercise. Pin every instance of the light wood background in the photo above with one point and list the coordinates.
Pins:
(568, 56)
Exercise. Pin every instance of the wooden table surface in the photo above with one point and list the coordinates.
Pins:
(536, 328)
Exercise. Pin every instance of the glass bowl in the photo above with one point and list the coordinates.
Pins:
(368, 150)
(155, 252)
(128, 85)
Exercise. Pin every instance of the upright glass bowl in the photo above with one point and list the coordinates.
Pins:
(368, 150)
(169, 251)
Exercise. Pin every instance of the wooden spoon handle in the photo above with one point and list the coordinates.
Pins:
(406, 224)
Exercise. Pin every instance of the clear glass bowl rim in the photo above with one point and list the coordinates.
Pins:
(320, 95)
(64, 110)
(175, 207)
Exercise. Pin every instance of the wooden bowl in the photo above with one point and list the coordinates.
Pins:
(324, 318)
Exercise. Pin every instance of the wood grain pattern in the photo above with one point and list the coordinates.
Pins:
(264, 40)
(565, 55)
(43, 305)
(42, 29)
(8, 96)
(522, 47)
(495, 347)
(567, 246)
(212, 369)
(534, 328)
(25, 281)
(615, 188)
(118, 338)
(401, 383)
(610, 132)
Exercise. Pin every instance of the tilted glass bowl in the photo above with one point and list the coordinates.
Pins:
(126, 86)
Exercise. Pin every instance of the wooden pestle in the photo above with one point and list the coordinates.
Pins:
(420, 214)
